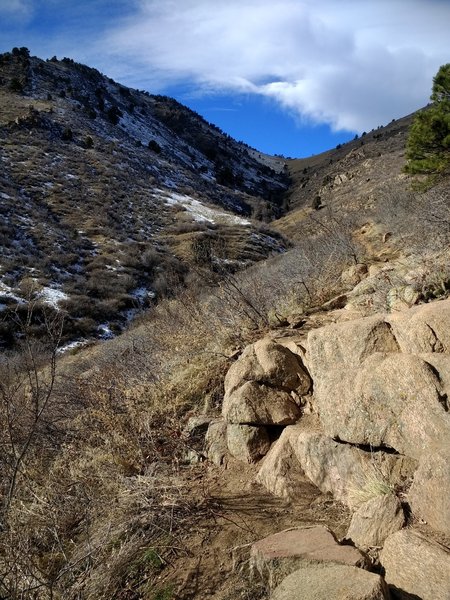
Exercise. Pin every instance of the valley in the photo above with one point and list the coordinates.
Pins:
(204, 347)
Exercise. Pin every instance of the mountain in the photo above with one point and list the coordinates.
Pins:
(260, 410)
(109, 195)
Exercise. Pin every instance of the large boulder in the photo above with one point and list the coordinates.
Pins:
(424, 328)
(347, 345)
(280, 472)
(386, 399)
(216, 448)
(267, 362)
(429, 495)
(274, 557)
(350, 474)
(246, 442)
(397, 403)
(257, 404)
(331, 581)
(416, 567)
(375, 520)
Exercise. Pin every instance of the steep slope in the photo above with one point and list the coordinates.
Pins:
(108, 193)
(348, 181)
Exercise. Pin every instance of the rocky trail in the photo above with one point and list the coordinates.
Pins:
(336, 425)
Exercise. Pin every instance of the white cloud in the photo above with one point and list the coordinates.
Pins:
(353, 64)
(21, 9)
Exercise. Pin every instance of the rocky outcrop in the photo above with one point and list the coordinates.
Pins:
(263, 388)
(326, 581)
(368, 393)
(364, 410)
(416, 567)
(423, 328)
(392, 400)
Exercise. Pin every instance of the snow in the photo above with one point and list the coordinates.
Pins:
(199, 211)
(52, 296)
(105, 331)
(142, 293)
(7, 292)
(72, 346)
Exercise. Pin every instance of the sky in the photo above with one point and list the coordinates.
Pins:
(290, 77)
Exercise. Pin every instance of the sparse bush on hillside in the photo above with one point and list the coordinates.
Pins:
(113, 114)
(67, 135)
(154, 146)
(16, 86)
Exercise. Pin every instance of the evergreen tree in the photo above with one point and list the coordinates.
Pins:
(428, 146)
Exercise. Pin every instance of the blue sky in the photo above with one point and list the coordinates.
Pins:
(291, 77)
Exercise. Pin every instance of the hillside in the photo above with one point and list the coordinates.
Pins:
(272, 430)
(109, 194)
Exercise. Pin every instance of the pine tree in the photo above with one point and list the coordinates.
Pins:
(428, 146)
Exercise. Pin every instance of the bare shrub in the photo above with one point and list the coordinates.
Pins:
(421, 220)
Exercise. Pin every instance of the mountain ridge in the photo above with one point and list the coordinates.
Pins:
(137, 186)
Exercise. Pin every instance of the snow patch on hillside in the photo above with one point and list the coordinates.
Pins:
(52, 296)
(199, 211)
(7, 292)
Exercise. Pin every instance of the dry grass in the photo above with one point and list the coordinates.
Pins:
(103, 510)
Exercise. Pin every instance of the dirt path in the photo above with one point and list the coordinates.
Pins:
(239, 512)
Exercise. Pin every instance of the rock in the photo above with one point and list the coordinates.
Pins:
(340, 178)
(340, 469)
(376, 268)
(246, 442)
(267, 362)
(296, 320)
(335, 303)
(393, 400)
(246, 368)
(194, 433)
(196, 427)
(424, 328)
(216, 447)
(397, 403)
(240, 559)
(354, 274)
(429, 495)
(331, 582)
(402, 297)
(375, 520)
(280, 472)
(274, 557)
(296, 344)
(347, 345)
(258, 404)
(350, 474)
(416, 567)
(368, 392)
